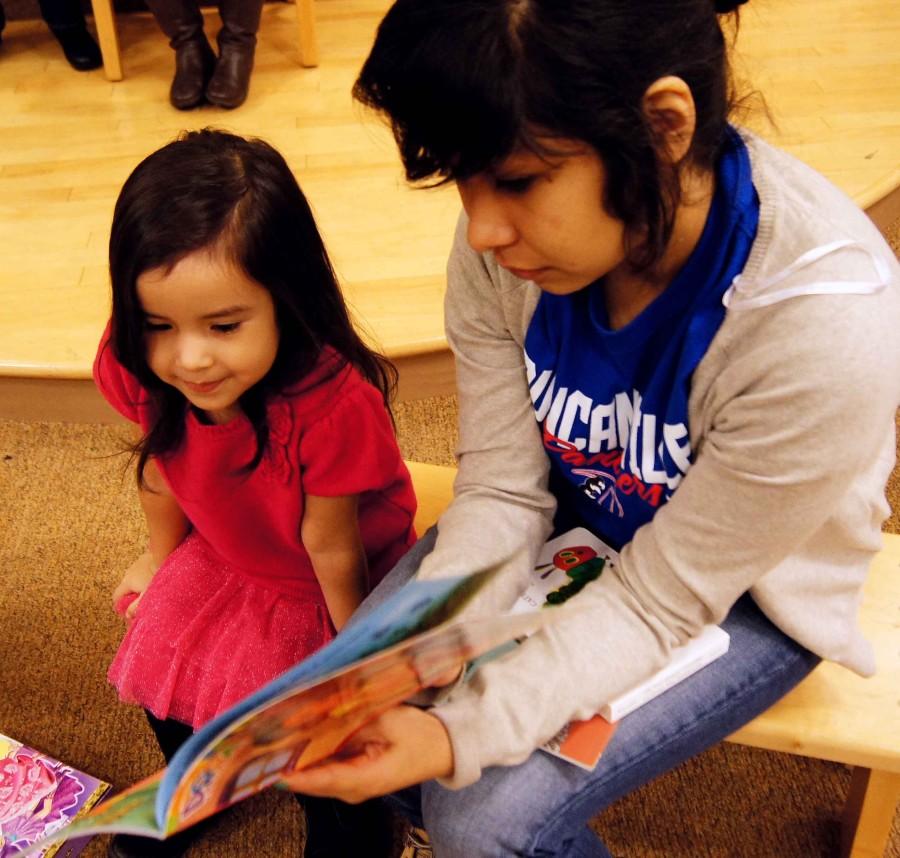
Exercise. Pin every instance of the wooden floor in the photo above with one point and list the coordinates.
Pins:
(829, 71)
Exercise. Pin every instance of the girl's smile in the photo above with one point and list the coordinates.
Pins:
(211, 330)
(205, 387)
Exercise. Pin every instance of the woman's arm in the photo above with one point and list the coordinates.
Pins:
(798, 406)
(330, 534)
(502, 507)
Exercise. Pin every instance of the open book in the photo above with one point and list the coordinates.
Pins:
(40, 795)
(565, 565)
(307, 713)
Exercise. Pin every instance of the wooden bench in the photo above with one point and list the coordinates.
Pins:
(832, 715)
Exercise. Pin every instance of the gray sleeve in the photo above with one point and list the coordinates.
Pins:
(791, 423)
(501, 508)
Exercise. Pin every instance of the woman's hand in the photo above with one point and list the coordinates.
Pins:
(135, 580)
(402, 747)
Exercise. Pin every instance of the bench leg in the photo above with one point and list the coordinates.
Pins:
(106, 35)
(869, 813)
(306, 22)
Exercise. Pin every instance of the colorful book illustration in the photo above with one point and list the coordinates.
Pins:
(564, 567)
(307, 713)
(40, 795)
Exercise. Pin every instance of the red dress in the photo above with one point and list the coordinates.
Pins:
(237, 603)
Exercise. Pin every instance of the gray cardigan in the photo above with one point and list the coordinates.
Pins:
(792, 426)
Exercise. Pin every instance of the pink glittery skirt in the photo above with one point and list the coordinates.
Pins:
(206, 635)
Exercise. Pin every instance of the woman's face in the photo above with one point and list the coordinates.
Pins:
(543, 217)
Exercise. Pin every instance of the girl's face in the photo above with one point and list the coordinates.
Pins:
(210, 331)
(543, 217)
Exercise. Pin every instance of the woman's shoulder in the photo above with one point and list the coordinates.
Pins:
(818, 303)
(809, 229)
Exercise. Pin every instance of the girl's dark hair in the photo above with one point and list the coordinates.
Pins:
(464, 83)
(213, 190)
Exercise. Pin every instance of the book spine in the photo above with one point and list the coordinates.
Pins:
(715, 646)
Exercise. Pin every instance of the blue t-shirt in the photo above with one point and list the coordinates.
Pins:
(613, 404)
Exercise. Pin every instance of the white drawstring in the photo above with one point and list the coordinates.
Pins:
(733, 299)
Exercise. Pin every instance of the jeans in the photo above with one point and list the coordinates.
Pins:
(542, 806)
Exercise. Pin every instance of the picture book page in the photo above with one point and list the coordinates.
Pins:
(308, 724)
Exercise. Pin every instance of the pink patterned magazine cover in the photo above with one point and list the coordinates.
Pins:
(39, 795)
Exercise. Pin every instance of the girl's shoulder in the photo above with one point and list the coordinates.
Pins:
(333, 387)
(117, 385)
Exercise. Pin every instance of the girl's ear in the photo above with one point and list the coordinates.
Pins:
(669, 108)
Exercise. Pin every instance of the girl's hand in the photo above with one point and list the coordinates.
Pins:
(130, 589)
(402, 747)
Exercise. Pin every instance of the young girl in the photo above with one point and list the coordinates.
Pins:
(273, 487)
(666, 331)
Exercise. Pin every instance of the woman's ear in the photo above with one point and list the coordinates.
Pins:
(669, 108)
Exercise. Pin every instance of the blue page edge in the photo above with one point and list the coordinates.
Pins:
(390, 622)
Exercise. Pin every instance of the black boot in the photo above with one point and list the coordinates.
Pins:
(237, 45)
(79, 47)
(182, 22)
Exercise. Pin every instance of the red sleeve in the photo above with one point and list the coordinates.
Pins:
(352, 448)
(118, 386)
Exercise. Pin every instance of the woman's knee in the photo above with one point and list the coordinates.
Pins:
(512, 817)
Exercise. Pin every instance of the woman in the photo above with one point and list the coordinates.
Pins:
(641, 291)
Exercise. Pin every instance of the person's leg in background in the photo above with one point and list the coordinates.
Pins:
(195, 60)
(66, 21)
(237, 44)
(542, 807)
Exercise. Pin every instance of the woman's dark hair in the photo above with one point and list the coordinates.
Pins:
(213, 190)
(464, 83)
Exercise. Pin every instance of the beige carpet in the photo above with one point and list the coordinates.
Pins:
(70, 524)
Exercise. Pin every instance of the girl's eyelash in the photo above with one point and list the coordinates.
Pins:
(226, 327)
(515, 184)
(155, 326)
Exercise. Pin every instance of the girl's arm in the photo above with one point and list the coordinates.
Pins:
(330, 534)
(166, 522)
(167, 526)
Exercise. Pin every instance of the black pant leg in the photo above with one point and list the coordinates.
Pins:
(62, 14)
